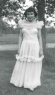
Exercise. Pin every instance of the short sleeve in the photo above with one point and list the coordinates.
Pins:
(20, 23)
(40, 24)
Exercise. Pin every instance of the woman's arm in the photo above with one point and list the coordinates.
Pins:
(40, 41)
(20, 40)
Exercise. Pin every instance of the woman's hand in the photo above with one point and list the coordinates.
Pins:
(41, 52)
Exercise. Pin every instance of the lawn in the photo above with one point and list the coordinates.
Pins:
(7, 62)
(8, 39)
(13, 38)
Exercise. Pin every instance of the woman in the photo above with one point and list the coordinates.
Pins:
(27, 70)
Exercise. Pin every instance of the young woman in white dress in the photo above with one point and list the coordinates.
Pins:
(28, 67)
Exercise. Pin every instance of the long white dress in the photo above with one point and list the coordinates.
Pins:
(27, 70)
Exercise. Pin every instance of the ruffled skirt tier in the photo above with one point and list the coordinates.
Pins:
(27, 70)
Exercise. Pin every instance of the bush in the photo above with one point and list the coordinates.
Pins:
(7, 30)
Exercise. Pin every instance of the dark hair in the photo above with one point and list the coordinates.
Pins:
(30, 9)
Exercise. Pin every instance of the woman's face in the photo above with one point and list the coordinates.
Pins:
(30, 16)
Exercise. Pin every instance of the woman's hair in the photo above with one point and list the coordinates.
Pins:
(30, 9)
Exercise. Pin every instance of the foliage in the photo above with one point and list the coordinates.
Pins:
(12, 10)
(49, 6)
(50, 13)
(2, 4)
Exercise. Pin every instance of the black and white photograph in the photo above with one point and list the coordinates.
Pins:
(27, 47)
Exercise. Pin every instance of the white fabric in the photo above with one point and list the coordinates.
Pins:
(27, 70)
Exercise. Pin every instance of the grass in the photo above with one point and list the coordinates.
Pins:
(9, 39)
(13, 38)
(7, 62)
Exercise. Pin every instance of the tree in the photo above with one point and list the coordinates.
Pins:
(41, 9)
(2, 4)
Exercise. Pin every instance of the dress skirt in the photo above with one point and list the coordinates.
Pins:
(27, 70)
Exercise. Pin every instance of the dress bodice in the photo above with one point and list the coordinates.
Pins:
(29, 33)
(30, 29)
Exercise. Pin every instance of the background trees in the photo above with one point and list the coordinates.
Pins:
(49, 5)
(11, 10)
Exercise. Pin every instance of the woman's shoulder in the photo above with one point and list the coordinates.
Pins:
(40, 24)
(21, 22)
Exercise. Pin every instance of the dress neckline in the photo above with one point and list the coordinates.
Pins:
(31, 21)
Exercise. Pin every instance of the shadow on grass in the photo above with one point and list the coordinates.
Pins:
(49, 59)
(7, 55)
